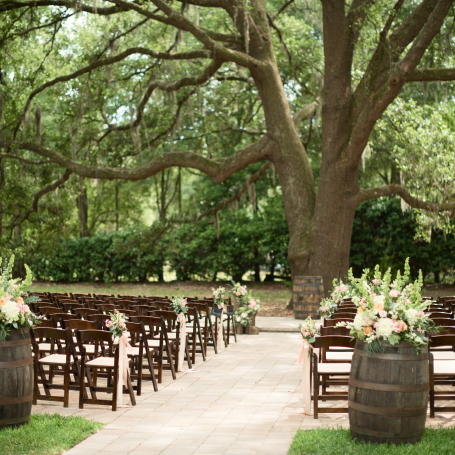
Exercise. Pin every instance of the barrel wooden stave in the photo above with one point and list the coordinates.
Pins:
(307, 293)
(16, 379)
(388, 394)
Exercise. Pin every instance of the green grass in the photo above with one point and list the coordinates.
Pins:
(46, 434)
(440, 441)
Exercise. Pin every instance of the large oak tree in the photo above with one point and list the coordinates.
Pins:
(230, 35)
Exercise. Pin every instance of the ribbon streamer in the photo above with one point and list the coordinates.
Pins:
(124, 349)
(182, 340)
(305, 360)
(220, 330)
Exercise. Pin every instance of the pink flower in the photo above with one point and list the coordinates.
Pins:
(363, 299)
(343, 288)
(184, 302)
(313, 332)
(421, 314)
(337, 288)
(243, 315)
(419, 330)
(394, 293)
(373, 295)
(376, 325)
(108, 322)
(383, 314)
(323, 310)
(375, 281)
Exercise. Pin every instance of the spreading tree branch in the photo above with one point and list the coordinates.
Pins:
(24, 160)
(400, 190)
(47, 189)
(219, 169)
(237, 195)
(431, 74)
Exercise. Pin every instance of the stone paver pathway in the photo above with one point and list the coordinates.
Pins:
(242, 401)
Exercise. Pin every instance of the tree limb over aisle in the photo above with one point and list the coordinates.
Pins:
(432, 74)
(400, 190)
(219, 169)
(47, 189)
(239, 194)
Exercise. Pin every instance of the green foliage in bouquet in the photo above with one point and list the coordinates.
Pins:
(389, 311)
(14, 310)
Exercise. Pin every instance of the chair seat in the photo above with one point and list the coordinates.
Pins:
(44, 347)
(444, 367)
(101, 362)
(334, 368)
(443, 355)
(346, 356)
(89, 349)
(153, 343)
(340, 348)
(53, 359)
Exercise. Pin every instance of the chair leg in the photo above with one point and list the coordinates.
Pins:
(188, 357)
(315, 389)
(81, 383)
(66, 383)
(431, 387)
(199, 334)
(130, 390)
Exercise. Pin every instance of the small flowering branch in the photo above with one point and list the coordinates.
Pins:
(116, 324)
(309, 330)
(219, 296)
(179, 305)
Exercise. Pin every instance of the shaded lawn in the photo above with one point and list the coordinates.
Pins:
(440, 441)
(46, 434)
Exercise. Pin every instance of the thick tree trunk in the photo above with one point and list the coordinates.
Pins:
(82, 208)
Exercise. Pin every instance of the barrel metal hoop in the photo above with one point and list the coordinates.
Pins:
(16, 363)
(6, 344)
(389, 387)
(388, 412)
(15, 400)
(385, 434)
(5, 422)
(392, 357)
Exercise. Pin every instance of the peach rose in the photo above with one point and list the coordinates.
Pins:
(378, 307)
(359, 309)
(367, 330)
(20, 300)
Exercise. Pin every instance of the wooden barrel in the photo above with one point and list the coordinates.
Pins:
(16, 379)
(307, 293)
(388, 394)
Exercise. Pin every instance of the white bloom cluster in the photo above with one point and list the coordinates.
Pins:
(10, 312)
(384, 327)
(412, 315)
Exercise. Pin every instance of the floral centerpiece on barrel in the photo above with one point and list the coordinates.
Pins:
(15, 313)
(389, 372)
(248, 306)
(389, 311)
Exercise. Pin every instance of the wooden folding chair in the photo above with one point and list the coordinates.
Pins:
(103, 359)
(195, 334)
(64, 358)
(140, 350)
(442, 372)
(327, 370)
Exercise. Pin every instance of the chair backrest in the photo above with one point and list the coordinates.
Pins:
(140, 309)
(334, 340)
(439, 314)
(79, 324)
(48, 310)
(84, 312)
(100, 338)
(129, 313)
(70, 306)
(99, 318)
(334, 322)
(325, 331)
(342, 315)
(153, 325)
(444, 322)
(442, 340)
(56, 318)
(55, 336)
(107, 307)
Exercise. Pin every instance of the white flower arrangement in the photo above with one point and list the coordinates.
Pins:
(14, 311)
(340, 291)
(219, 296)
(242, 317)
(308, 330)
(389, 311)
(327, 307)
(116, 324)
(179, 305)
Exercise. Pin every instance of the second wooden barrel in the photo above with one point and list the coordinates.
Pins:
(307, 293)
(16, 379)
(388, 394)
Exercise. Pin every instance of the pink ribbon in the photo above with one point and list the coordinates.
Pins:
(126, 350)
(182, 340)
(304, 355)
(220, 330)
